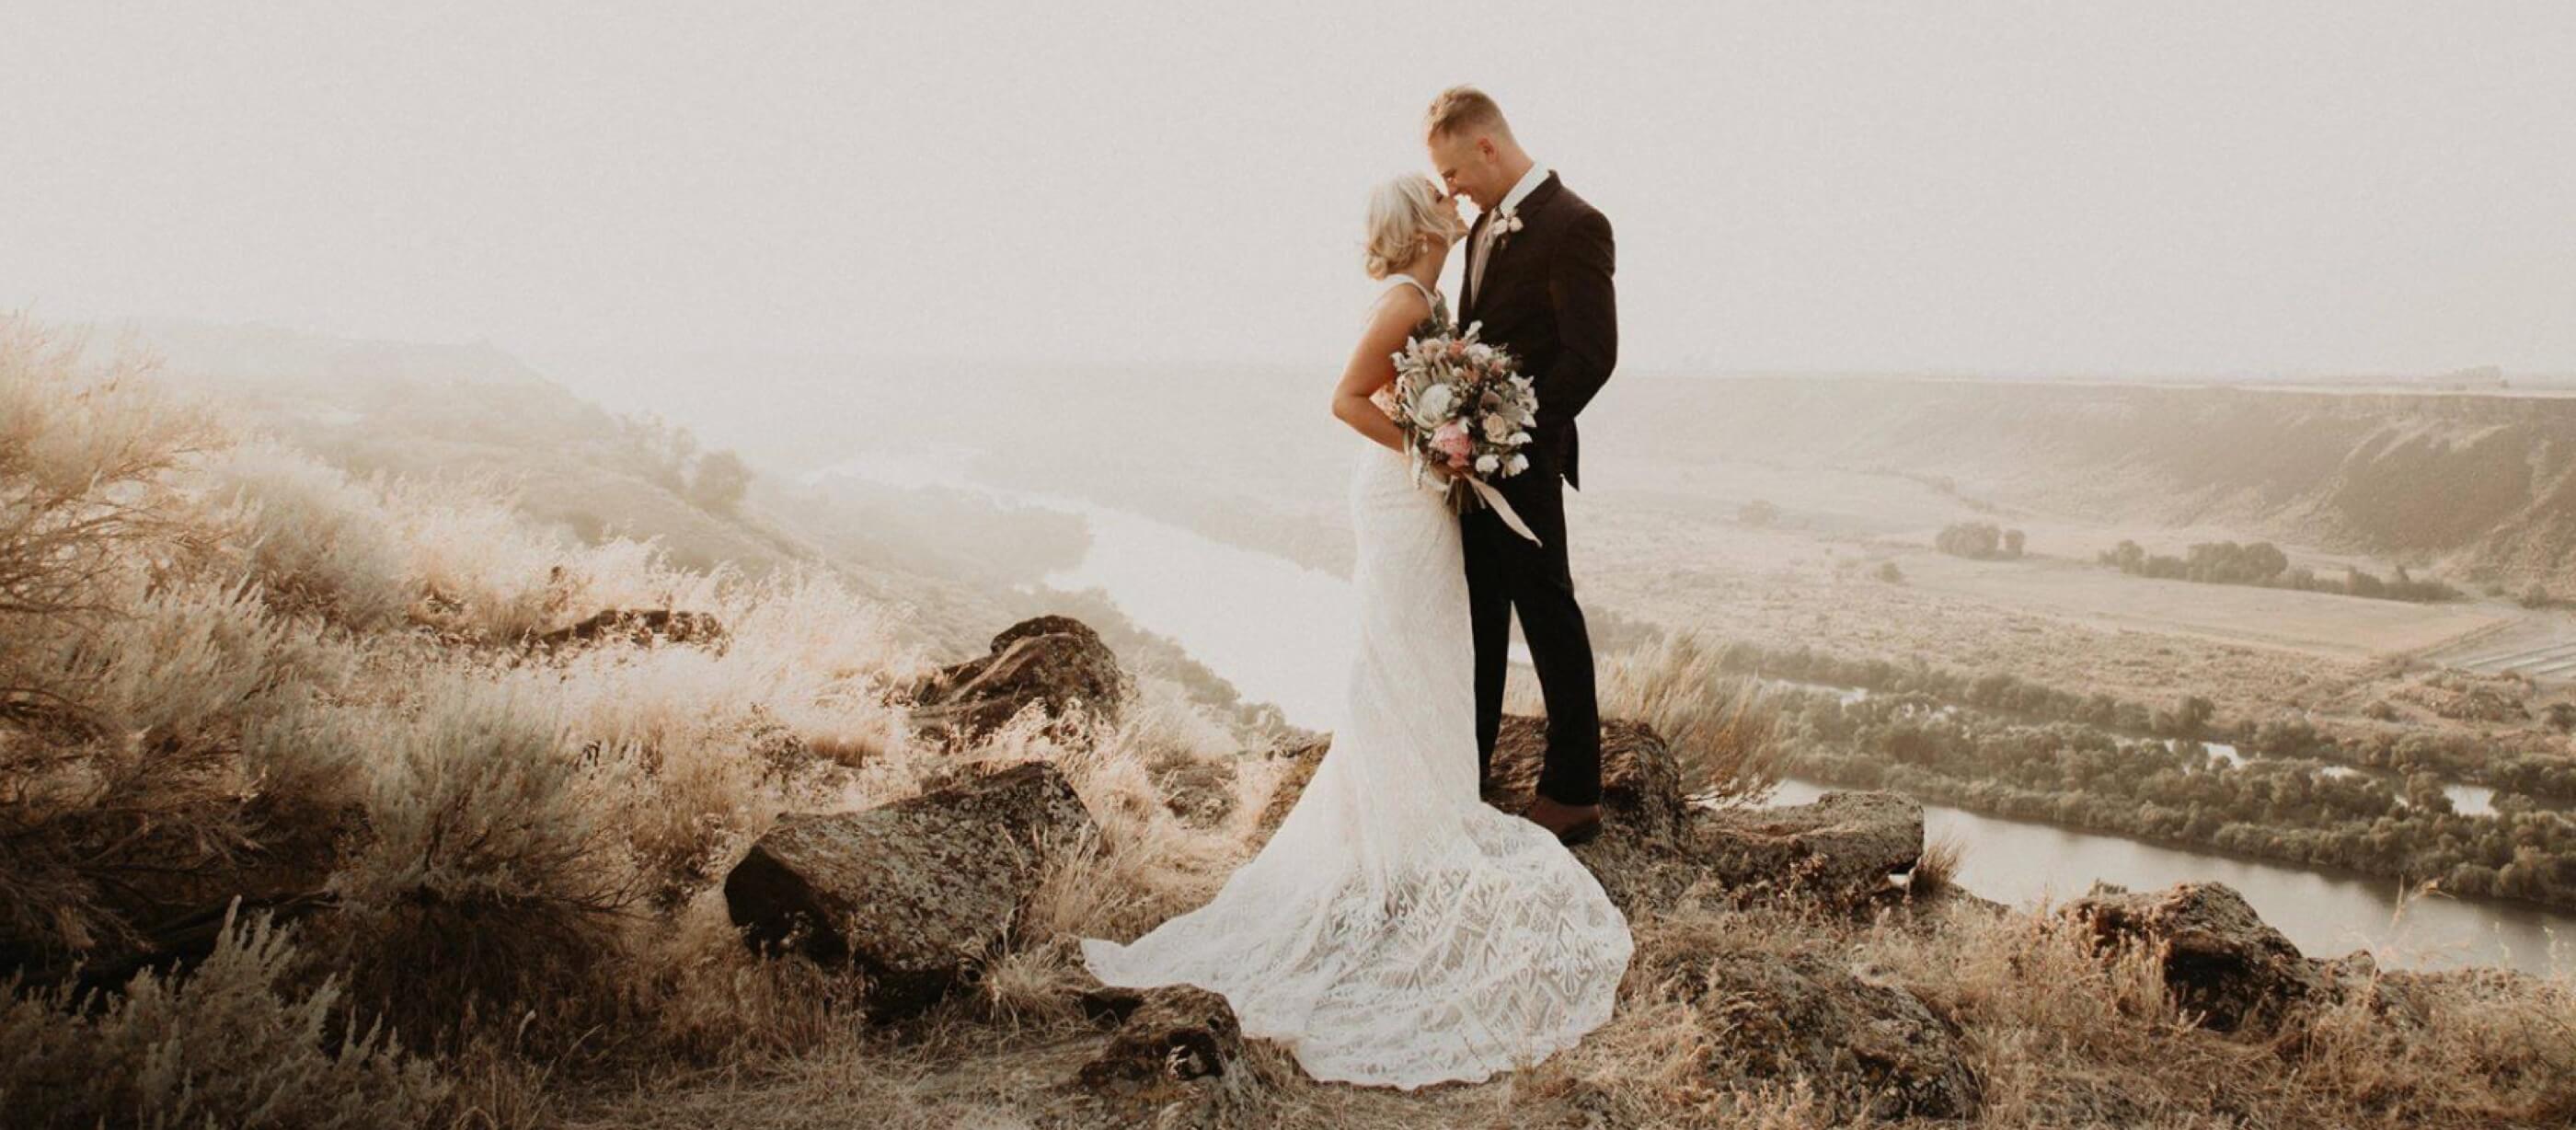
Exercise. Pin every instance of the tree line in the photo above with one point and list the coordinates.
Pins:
(2263, 565)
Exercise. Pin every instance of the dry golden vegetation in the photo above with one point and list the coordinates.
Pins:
(232, 671)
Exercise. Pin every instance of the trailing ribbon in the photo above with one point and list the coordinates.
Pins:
(1484, 490)
(1502, 509)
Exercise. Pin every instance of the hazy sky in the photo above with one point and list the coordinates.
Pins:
(2047, 187)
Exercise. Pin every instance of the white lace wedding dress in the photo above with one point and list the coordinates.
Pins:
(1397, 930)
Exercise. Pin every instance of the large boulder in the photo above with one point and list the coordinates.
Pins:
(2219, 958)
(1870, 1050)
(1054, 661)
(915, 893)
(1845, 845)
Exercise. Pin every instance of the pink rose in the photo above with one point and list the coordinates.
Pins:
(1450, 439)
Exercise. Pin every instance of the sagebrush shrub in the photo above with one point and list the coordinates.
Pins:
(236, 1043)
(495, 873)
(317, 541)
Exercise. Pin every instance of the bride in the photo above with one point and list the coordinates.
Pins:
(1396, 930)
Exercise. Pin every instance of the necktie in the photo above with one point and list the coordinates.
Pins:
(1484, 254)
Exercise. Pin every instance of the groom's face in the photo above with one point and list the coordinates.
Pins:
(1469, 166)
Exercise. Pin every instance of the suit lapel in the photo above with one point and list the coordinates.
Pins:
(1528, 211)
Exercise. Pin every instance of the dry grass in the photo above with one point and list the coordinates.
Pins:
(1718, 724)
(1937, 871)
(236, 1043)
(232, 664)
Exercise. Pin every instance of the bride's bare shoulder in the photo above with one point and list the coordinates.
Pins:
(1399, 303)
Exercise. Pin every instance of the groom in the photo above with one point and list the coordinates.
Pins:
(1538, 277)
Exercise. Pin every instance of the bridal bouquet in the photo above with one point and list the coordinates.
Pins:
(1465, 406)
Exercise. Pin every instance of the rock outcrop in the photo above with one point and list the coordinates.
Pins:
(1871, 1050)
(2219, 958)
(1655, 844)
(1844, 845)
(915, 893)
(1055, 661)
(1641, 781)
(1165, 1036)
(639, 626)
(1641, 790)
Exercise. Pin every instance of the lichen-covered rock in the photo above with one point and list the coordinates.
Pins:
(1165, 1036)
(1055, 661)
(2220, 959)
(1871, 1050)
(1844, 845)
(915, 893)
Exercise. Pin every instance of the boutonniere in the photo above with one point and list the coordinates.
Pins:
(1506, 221)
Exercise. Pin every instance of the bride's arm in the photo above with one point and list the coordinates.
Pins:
(1372, 366)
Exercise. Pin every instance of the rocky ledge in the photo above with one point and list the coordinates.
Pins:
(918, 894)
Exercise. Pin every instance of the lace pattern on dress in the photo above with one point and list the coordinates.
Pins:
(1396, 930)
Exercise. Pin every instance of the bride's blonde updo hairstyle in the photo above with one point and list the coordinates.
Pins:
(1404, 215)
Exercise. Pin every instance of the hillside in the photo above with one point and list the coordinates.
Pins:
(479, 421)
(372, 801)
(2480, 486)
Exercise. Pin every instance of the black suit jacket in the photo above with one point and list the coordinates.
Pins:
(1547, 298)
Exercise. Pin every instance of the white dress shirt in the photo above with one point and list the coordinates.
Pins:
(1484, 248)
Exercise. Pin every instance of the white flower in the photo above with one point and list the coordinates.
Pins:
(1497, 429)
(1485, 464)
(1480, 353)
(1431, 406)
(1516, 464)
(1517, 438)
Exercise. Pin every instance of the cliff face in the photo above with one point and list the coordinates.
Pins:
(2482, 485)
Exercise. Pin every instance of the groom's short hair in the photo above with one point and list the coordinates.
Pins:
(1460, 109)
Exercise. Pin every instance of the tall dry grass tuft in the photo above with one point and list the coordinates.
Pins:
(237, 1042)
(706, 999)
(1937, 870)
(495, 877)
(2505, 1051)
(1147, 862)
(1718, 724)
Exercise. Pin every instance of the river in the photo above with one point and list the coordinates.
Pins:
(1281, 633)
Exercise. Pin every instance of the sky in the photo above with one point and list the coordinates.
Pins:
(2283, 188)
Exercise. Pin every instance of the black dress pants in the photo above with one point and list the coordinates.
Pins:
(1505, 574)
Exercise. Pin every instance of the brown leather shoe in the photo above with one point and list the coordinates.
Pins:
(1572, 824)
(1581, 832)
